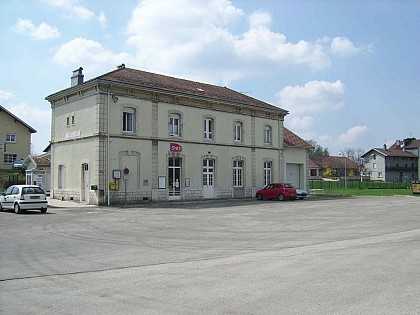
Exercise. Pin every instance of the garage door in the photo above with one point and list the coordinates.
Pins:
(293, 174)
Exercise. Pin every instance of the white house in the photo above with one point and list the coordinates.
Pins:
(130, 135)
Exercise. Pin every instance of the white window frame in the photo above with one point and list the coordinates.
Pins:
(208, 128)
(129, 120)
(11, 137)
(175, 125)
(268, 135)
(9, 158)
(267, 172)
(237, 131)
(238, 173)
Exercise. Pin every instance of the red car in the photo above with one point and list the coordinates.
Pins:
(278, 191)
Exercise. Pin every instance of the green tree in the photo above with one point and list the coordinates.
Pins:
(328, 172)
(317, 150)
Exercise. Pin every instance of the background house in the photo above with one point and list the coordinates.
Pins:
(15, 139)
(38, 170)
(338, 166)
(398, 163)
(130, 135)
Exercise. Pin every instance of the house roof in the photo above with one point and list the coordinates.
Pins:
(336, 162)
(409, 143)
(390, 152)
(31, 130)
(168, 84)
(293, 140)
(312, 164)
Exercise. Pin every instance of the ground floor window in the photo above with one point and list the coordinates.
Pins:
(208, 172)
(9, 158)
(238, 173)
(267, 173)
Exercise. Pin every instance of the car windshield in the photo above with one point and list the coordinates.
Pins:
(32, 190)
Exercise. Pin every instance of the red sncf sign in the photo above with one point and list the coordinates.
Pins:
(175, 147)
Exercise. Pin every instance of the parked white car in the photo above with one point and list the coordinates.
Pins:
(23, 197)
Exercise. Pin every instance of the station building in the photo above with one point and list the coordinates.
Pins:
(129, 136)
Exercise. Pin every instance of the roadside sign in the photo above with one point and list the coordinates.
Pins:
(416, 188)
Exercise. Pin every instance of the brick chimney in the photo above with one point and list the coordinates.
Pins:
(77, 78)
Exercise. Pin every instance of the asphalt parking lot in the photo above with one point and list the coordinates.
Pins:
(317, 256)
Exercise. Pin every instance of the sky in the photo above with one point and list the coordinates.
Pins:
(347, 71)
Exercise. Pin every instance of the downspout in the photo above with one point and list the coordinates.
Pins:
(107, 148)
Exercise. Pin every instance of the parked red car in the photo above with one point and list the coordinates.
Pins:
(278, 191)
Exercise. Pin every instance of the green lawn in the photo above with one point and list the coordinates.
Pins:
(363, 192)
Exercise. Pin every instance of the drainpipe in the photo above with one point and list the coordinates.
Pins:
(107, 148)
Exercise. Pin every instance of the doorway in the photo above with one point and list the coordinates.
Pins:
(208, 178)
(85, 182)
(174, 178)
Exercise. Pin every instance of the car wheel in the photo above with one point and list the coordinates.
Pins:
(281, 197)
(259, 197)
(43, 210)
(18, 210)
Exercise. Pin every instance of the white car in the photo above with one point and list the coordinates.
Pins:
(301, 193)
(23, 197)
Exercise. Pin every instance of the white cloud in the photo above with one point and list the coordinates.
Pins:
(313, 96)
(344, 47)
(353, 135)
(301, 123)
(78, 11)
(83, 13)
(179, 37)
(82, 51)
(4, 96)
(41, 32)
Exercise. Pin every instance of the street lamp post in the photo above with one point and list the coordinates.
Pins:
(345, 169)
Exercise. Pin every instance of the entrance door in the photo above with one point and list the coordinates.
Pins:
(208, 178)
(85, 182)
(174, 176)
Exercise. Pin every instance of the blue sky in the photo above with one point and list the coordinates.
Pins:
(347, 71)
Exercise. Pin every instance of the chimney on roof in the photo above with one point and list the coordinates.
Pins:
(384, 146)
(121, 66)
(77, 78)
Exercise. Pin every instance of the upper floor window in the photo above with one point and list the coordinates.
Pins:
(175, 125)
(267, 135)
(208, 128)
(237, 131)
(129, 119)
(10, 137)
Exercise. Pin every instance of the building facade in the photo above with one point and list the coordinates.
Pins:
(129, 136)
(393, 164)
(15, 139)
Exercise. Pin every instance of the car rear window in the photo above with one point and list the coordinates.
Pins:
(288, 185)
(32, 190)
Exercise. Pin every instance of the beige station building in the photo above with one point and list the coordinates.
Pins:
(129, 136)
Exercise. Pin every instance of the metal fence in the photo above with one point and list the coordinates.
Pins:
(357, 184)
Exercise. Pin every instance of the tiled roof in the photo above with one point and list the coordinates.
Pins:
(312, 164)
(393, 152)
(336, 162)
(176, 85)
(410, 143)
(41, 161)
(31, 130)
(294, 140)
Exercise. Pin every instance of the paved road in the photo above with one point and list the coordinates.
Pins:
(317, 256)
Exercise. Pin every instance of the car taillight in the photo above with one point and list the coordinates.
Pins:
(22, 197)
